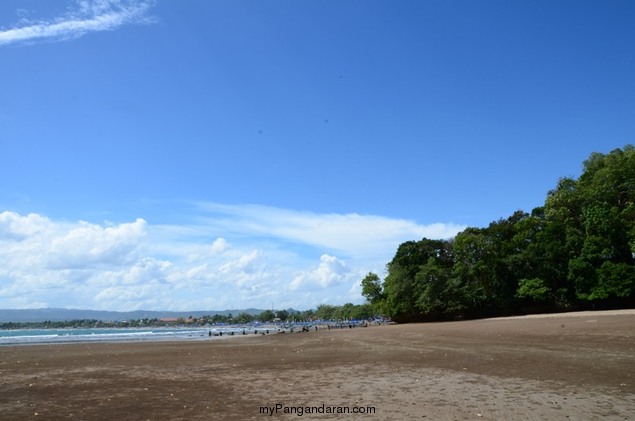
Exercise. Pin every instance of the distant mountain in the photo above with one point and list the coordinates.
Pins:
(63, 314)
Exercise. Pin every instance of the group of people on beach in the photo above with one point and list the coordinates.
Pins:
(292, 328)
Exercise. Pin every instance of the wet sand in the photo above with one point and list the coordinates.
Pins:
(570, 366)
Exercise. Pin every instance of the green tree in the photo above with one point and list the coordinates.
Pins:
(432, 284)
(373, 291)
(282, 315)
(400, 286)
(325, 312)
(344, 312)
(577, 249)
(606, 193)
(471, 269)
(266, 316)
(371, 288)
(362, 312)
(243, 318)
(614, 280)
(534, 289)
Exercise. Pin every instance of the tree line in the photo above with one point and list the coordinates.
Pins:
(346, 311)
(329, 312)
(574, 252)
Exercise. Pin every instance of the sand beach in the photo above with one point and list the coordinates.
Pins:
(574, 366)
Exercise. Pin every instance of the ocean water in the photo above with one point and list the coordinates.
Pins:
(44, 336)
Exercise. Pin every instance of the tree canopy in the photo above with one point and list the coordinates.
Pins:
(577, 251)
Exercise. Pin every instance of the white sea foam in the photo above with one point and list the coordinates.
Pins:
(45, 336)
(23, 337)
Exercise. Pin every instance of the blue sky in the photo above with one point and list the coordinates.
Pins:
(161, 154)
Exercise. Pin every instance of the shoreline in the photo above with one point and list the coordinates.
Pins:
(580, 366)
(47, 336)
(189, 334)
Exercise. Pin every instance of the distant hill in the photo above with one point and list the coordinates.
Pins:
(63, 314)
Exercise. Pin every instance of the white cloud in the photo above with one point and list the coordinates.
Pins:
(90, 245)
(86, 16)
(16, 227)
(219, 245)
(232, 257)
(329, 272)
(54, 261)
(354, 235)
(244, 264)
(120, 297)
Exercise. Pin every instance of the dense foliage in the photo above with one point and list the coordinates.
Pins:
(577, 251)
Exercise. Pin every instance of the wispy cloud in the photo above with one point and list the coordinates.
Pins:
(85, 16)
(354, 235)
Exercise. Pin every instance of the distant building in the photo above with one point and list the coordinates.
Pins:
(169, 320)
(176, 320)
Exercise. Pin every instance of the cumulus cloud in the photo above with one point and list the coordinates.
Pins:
(83, 17)
(128, 266)
(330, 271)
(90, 245)
(16, 227)
(231, 257)
(219, 245)
(44, 260)
(36, 241)
(244, 264)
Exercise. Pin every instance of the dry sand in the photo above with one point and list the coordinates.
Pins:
(578, 366)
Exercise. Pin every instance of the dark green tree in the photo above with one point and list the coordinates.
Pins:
(282, 315)
(325, 312)
(576, 251)
(372, 290)
(266, 316)
(401, 286)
